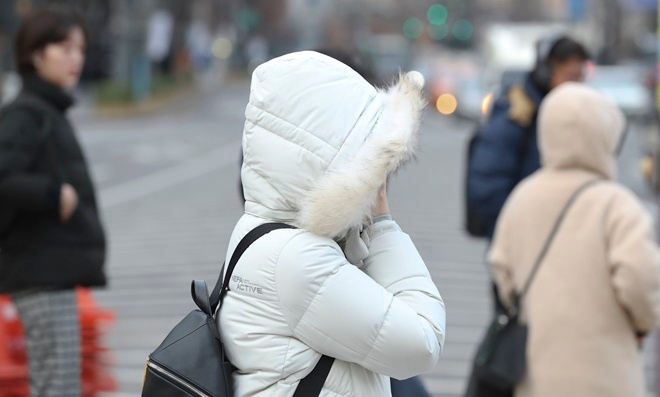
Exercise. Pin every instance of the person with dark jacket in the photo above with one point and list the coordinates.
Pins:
(52, 239)
(506, 150)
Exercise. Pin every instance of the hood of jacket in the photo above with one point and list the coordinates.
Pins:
(580, 128)
(319, 141)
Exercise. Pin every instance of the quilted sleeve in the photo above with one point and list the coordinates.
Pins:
(389, 319)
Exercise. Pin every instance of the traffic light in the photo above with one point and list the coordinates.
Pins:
(462, 30)
(437, 14)
(248, 18)
(413, 28)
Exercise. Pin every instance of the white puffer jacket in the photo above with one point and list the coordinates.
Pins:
(319, 141)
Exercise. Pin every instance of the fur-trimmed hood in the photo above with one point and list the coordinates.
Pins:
(319, 141)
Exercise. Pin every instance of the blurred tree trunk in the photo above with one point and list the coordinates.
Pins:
(182, 12)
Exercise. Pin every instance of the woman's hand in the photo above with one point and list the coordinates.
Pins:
(68, 202)
(382, 206)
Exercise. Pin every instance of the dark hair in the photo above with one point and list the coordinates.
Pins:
(41, 28)
(353, 62)
(567, 48)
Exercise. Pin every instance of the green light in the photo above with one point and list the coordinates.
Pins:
(248, 18)
(413, 28)
(438, 32)
(462, 29)
(437, 14)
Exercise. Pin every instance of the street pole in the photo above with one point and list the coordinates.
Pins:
(140, 63)
(237, 58)
(657, 96)
(657, 123)
(131, 65)
(611, 31)
(657, 126)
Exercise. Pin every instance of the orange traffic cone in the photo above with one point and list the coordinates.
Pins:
(94, 324)
(13, 363)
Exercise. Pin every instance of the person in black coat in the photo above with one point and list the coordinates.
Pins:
(51, 236)
(505, 150)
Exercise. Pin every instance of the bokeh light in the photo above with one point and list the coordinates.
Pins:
(485, 103)
(437, 14)
(590, 68)
(222, 48)
(413, 28)
(446, 104)
(462, 29)
(438, 32)
(248, 18)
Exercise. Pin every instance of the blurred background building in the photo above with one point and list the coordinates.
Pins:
(143, 53)
(138, 49)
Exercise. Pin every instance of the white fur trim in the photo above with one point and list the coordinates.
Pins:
(345, 197)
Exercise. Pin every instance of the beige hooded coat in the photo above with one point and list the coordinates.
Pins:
(600, 282)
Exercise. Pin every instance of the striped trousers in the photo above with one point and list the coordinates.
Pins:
(52, 337)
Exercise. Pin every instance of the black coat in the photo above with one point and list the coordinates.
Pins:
(38, 153)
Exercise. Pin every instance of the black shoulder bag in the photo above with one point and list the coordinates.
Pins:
(191, 361)
(500, 361)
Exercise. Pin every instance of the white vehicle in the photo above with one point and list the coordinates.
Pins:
(510, 49)
(624, 85)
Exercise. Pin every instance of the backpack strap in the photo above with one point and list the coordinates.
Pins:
(221, 288)
(311, 385)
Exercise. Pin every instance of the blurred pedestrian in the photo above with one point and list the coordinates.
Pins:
(504, 150)
(199, 41)
(160, 30)
(347, 283)
(597, 291)
(51, 237)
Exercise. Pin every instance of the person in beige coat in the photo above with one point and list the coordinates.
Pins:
(598, 290)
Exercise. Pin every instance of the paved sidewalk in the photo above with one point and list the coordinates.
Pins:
(163, 239)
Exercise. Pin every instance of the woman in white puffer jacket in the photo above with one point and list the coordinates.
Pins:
(319, 144)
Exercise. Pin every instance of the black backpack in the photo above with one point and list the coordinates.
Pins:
(475, 225)
(191, 361)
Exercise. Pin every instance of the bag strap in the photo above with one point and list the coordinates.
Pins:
(221, 287)
(311, 385)
(548, 243)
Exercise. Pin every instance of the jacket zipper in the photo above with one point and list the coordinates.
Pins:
(177, 379)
